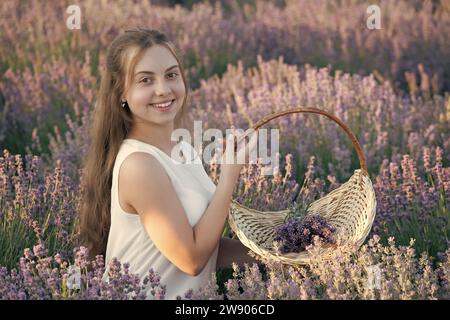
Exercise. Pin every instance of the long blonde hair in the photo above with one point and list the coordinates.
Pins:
(111, 123)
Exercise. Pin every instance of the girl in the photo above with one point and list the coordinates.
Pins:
(141, 206)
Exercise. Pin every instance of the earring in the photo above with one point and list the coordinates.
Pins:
(123, 104)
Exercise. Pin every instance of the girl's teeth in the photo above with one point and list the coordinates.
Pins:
(162, 105)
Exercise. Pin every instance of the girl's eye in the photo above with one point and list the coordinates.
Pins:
(142, 80)
(175, 75)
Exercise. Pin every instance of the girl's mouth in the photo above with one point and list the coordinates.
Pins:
(163, 107)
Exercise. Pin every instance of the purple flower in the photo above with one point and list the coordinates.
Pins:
(297, 234)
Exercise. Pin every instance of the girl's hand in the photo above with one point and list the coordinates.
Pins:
(237, 153)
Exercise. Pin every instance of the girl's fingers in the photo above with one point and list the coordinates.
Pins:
(249, 132)
(235, 141)
(246, 150)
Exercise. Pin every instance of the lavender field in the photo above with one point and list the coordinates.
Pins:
(244, 60)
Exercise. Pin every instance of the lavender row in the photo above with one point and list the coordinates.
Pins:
(373, 272)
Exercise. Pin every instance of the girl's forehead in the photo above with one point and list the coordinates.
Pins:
(156, 59)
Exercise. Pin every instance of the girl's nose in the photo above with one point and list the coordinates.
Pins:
(161, 89)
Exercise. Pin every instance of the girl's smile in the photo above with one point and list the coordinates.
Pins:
(163, 107)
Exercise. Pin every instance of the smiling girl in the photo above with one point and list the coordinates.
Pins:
(140, 205)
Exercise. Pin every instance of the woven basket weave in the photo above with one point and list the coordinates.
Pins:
(350, 208)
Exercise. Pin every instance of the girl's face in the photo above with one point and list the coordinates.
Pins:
(156, 82)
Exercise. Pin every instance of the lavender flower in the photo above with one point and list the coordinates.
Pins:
(297, 234)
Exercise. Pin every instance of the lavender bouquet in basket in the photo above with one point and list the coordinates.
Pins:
(299, 229)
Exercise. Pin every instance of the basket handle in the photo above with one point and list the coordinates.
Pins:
(356, 145)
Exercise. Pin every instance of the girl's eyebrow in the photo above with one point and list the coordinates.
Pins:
(151, 72)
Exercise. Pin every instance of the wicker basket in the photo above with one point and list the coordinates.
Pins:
(350, 208)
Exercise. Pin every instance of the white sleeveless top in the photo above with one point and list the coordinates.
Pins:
(129, 242)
